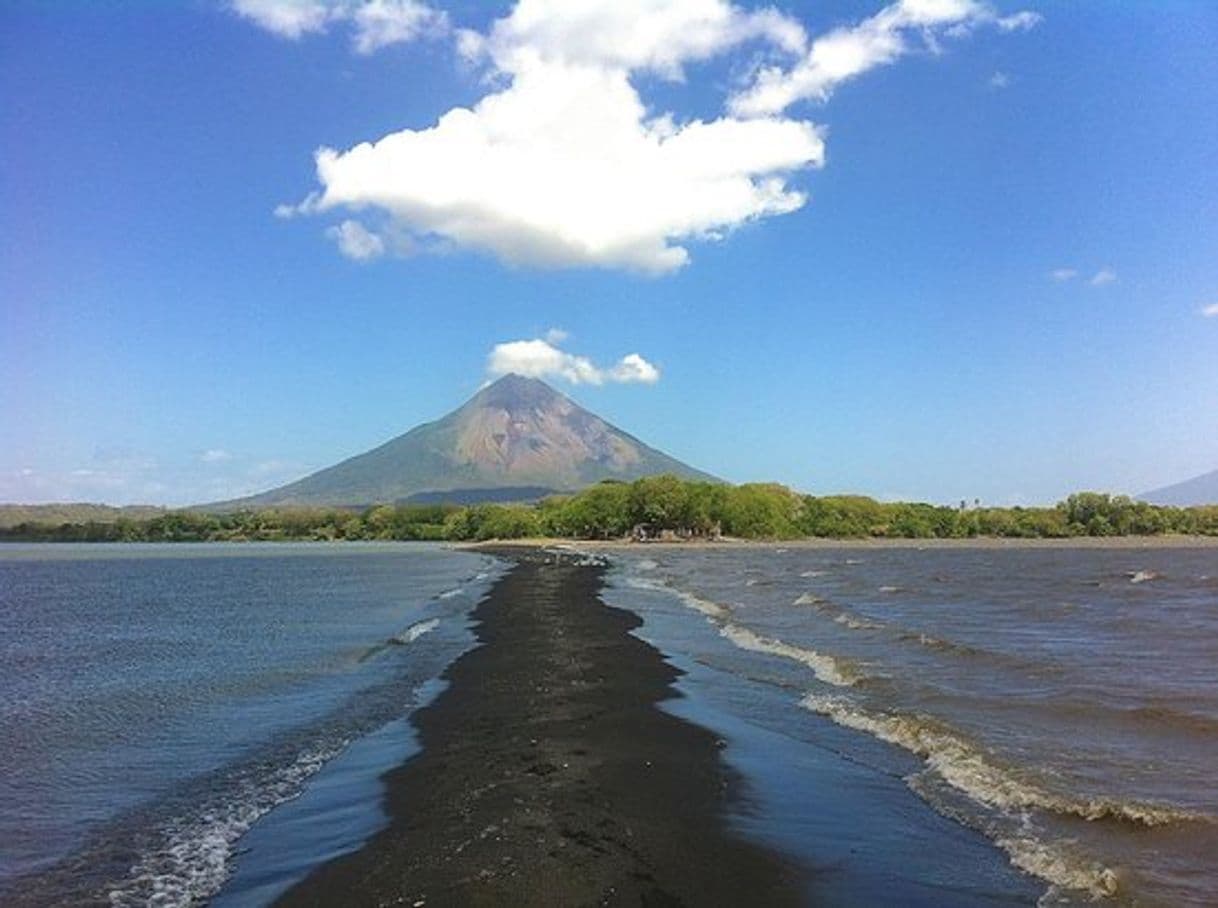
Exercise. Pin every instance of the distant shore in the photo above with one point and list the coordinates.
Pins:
(549, 775)
(977, 542)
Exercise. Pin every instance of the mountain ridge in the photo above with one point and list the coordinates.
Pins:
(516, 433)
(1200, 490)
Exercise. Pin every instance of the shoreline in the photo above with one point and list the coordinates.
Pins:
(901, 542)
(552, 542)
(549, 774)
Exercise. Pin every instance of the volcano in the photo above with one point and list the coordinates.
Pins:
(516, 439)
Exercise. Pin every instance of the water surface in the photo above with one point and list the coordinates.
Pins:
(156, 701)
(1062, 701)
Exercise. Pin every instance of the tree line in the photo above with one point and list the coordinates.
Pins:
(654, 507)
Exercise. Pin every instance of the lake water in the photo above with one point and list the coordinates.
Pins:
(944, 727)
(157, 701)
(1062, 702)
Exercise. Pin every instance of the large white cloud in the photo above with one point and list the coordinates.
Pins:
(563, 164)
(541, 358)
(374, 23)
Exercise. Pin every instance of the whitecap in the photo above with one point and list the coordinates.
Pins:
(857, 623)
(711, 609)
(416, 630)
(965, 766)
(1056, 863)
(829, 669)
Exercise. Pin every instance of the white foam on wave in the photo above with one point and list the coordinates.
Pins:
(841, 615)
(192, 861)
(1057, 863)
(857, 622)
(417, 630)
(829, 669)
(812, 574)
(966, 767)
(710, 609)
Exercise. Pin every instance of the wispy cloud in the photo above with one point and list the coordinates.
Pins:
(1019, 22)
(215, 455)
(356, 241)
(1210, 311)
(564, 164)
(542, 358)
(1101, 278)
(847, 52)
(374, 24)
(999, 80)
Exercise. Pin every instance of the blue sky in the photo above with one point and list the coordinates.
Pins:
(900, 300)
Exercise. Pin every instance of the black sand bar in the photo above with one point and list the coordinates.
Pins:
(549, 776)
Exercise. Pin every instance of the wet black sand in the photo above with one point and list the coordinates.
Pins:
(549, 776)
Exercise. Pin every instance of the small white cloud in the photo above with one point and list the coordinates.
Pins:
(999, 80)
(374, 23)
(215, 455)
(540, 358)
(556, 336)
(1102, 277)
(1210, 311)
(289, 19)
(380, 23)
(356, 241)
(633, 368)
(1020, 22)
(1063, 274)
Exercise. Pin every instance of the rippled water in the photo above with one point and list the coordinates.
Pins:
(1062, 701)
(157, 701)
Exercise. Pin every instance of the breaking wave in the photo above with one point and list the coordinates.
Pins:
(1058, 863)
(965, 766)
(191, 861)
(829, 669)
(857, 622)
(416, 630)
(710, 609)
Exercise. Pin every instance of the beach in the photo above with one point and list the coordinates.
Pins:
(548, 774)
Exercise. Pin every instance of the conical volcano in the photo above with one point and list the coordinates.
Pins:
(515, 439)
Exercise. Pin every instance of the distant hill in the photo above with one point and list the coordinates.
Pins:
(516, 439)
(12, 515)
(1198, 490)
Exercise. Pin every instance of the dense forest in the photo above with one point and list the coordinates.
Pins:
(655, 507)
